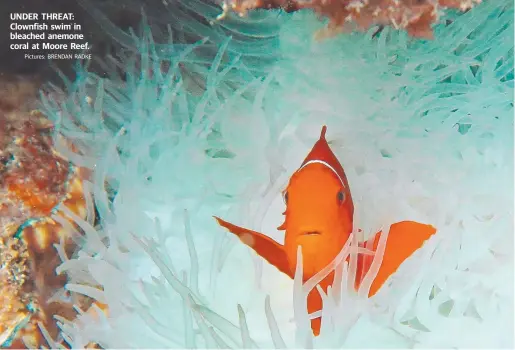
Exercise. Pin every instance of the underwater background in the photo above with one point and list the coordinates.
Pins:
(112, 169)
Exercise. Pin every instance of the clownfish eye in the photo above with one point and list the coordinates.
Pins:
(340, 196)
(285, 197)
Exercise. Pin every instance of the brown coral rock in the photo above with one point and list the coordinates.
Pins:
(14, 296)
(414, 16)
(32, 176)
(34, 182)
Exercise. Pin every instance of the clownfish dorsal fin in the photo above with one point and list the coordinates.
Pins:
(322, 133)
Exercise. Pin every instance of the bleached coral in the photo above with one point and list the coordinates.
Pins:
(423, 129)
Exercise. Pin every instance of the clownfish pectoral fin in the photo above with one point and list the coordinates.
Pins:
(264, 246)
(404, 239)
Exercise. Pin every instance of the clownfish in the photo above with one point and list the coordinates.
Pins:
(319, 218)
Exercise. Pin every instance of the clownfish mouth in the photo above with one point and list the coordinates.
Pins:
(312, 233)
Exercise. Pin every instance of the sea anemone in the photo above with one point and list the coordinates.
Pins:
(424, 130)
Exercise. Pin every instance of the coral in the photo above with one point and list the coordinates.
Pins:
(27, 165)
(416, 17)
(424, 130)
(14, 299)
(34, 181)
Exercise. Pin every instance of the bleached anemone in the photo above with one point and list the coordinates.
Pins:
(424, 130)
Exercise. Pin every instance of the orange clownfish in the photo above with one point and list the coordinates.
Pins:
(319, 217)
